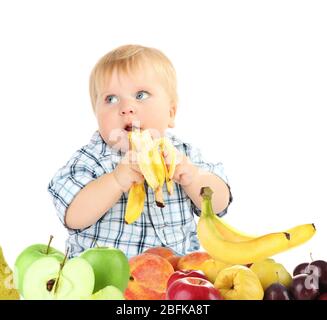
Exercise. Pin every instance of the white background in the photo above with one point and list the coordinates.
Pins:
(252, 84)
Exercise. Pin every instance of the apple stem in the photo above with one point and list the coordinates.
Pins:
(278, 280)
(65, 258)
(48, 248)
(311, 256)
(60, 270)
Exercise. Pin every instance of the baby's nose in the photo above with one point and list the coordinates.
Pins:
(128, 109)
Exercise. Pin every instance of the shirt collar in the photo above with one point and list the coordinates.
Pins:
(101, 147)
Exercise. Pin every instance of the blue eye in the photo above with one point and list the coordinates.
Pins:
(112, 99)
(141, 95)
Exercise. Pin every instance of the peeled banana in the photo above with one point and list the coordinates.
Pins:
(224, 243)
(164, 144)
(149, 156)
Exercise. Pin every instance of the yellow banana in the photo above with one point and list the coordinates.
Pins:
(235, 252)
(229, 233)
(301, 234)
(136, 195)
(135, 202)
(142, 144)
(165, 144)
(298, 234)
(152, 164)
(158, 167)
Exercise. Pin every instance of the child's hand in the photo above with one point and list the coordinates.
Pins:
(128, 172)
(185, 170)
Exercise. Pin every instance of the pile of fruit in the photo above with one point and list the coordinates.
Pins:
(234, 266)
(159, 274)
(100, 273)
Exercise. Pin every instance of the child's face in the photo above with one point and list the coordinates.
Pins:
(133, 99)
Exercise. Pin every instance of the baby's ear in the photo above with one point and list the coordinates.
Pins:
(172, 114)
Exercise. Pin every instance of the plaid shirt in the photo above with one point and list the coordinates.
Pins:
(173, 226)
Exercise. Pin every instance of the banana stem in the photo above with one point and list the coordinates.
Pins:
(206, 205)
(206, 193)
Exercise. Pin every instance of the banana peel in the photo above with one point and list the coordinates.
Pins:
(135, 203)
(151, 161)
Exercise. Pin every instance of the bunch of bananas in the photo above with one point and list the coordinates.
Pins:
(150, 158)
(226, 244)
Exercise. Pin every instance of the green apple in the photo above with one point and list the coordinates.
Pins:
(110, 266)
(28, 256)
(108, 293)
(269, 272)
(48, 279)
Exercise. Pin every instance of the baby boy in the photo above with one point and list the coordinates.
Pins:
(133, 86)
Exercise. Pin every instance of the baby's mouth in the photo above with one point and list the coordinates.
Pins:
(128, 128)
(131, 127)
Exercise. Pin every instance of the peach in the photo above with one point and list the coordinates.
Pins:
(166, 253)
(161, 251)
(174, 261)
(134, 291)
(149, 276)
(192, 261)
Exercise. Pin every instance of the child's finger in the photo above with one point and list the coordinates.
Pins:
(165, 153)
(132, 156)
(128, 158)
(179, 171)
(136, 168)
(138, 178)
(167, 158)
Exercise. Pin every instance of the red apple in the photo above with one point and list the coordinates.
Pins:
(180, 274)
(191, 288)
(323, 296)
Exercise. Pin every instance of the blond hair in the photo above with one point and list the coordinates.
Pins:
(129, 58)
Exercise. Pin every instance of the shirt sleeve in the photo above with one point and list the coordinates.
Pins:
(195, 156)
(68, 181)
